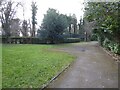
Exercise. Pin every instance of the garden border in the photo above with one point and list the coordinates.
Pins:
(114, 56)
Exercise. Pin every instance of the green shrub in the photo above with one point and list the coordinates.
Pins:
(34, 40)
(116, 49)
(106, 43)
(100, 40)
(112, 46)
(71, 40)
(22, 40)
(94, 37)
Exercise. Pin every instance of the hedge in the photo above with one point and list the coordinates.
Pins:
(22, 40)
(31, 40)
(71, 40)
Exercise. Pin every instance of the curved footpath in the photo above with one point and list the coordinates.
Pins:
(94, 68)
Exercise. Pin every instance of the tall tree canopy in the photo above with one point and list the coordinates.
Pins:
(53, 25)
(34, 22)
(70, 21)
(24, 29)
(74, 21)
(107, 22)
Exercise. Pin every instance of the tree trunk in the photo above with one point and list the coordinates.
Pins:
(33, 30)
(70, 29)
(6, 29)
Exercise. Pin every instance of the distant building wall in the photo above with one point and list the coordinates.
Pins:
(15, 27)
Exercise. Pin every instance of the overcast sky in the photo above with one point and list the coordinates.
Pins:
(63, 6)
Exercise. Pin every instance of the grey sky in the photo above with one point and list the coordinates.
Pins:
(63, 6)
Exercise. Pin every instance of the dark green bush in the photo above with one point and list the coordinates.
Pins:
(106, 43)
(116, 48)
(112, 46)
(118, 51)
(94, 37)
(101, 40)
(31, 40)
(71, 40)
(22, 40)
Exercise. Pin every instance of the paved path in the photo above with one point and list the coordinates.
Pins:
(92, 69)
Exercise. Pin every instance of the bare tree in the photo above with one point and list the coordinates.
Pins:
(1, 2)
(7, 13)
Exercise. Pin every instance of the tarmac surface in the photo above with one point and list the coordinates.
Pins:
(93, 68)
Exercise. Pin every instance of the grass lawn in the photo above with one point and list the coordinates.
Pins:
(0, 66)
(27, 66)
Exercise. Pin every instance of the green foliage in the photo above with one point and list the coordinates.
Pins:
(34, 12)
(72, 20)
(117, 49)
(31, 66)
(107, 23)
(112, 46)
(106, 43)
(106, 17)
(71, 40)
(34, 22)
(24, 30)
(94, 37)
(22, 40)
(53, 26)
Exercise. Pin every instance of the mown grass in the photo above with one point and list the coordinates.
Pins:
(27, 66)
(0, 66)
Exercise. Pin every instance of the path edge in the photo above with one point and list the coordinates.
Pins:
(44, 86)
